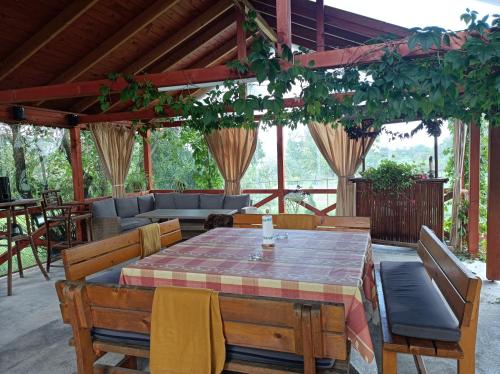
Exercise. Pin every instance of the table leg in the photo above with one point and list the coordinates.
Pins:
(9, 253)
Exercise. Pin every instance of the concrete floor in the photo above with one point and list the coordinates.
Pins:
(33, 338)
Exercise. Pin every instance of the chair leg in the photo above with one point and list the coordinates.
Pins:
(9, 268)
(19, 261)
(34, 248)
(419, 364)
(467, 365)
(49, 253)
(389, 362)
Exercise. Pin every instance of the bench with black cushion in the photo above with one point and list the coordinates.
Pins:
(415, 307)
(262, 334)
(428, 308)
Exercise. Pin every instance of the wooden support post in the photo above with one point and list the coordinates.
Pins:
(320, 26)
(474, 176)
(281, 169)
(284, 28)
(241, 40)
(284, 22)
(77, 172)
(148, 160)
(76, 164)
(493, 246)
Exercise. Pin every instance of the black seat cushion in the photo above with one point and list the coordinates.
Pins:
(261, 356)
(414, 305)
(109, 276)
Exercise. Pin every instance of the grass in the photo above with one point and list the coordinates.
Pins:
(27, 258)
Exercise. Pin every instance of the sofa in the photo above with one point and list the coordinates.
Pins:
(113, 216)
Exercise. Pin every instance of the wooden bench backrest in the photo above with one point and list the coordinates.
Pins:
(459, 286)
(343, 223)
(280, 325)
(305, 222)
(90, 258)
(280, 221)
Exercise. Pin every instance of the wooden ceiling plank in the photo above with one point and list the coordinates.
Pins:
(165, 47)
(116, 40)
(309, 21)
(190, 47)
(47, 33)
(328, 59)
(261, 22)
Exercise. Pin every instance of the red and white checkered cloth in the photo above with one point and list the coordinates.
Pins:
(328, 266)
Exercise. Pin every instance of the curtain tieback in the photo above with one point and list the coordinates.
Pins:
(118, 185)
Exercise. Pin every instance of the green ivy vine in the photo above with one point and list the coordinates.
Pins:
(463, 84)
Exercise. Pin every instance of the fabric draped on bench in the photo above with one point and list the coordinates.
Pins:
(415, 307)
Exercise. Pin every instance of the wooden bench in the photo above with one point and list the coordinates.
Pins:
(305, 222)
(461, 290)
(309, 329)
(84, 260)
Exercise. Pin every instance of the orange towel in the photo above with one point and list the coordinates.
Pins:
(149, 238)
(186, 332)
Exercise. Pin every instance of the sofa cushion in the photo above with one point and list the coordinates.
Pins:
(211, 201)
(236, 201)
(165, 200)
(126, 207)
(187, 201)
(414, 305)
(104, 208)
(133, 223)
(146, 203)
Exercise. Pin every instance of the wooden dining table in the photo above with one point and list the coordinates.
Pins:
(307, 265)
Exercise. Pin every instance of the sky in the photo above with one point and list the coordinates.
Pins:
(421, 13)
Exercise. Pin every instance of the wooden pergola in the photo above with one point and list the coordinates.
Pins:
(56, 54)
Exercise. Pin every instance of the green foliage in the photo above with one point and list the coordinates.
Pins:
(462, 83)
(182, 161)
(391, 176)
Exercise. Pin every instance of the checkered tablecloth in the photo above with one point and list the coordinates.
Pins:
(308, 265)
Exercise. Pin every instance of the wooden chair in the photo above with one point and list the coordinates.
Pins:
(91, 258)
(343, 223)
(309, 329)
(62, 217)
(461, 290)
(14, 235)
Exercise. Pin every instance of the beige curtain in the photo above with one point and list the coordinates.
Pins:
(344, 155)
(459, 132)
(114, 143)
(232, 149)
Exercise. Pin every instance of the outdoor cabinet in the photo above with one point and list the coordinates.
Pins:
(398, 217)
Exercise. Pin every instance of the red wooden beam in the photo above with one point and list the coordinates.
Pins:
(493, 239)
(76, 163)
(36, 116)
(284, 22)
(281, 169)
(320, 26)
(326, 59)
(148, 160)
(474, 171)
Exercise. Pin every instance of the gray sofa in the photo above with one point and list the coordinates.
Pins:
(114, 216)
